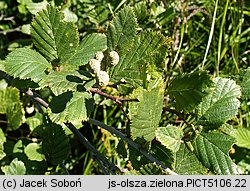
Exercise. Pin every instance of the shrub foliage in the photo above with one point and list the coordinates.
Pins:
(151, 121)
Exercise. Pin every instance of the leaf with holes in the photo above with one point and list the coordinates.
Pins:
(186, 162)
(25, 63)
(170, 137)
(74, 107)
(220, 105)
(189, 89)
(55, 144)
(55, 38)
(212, 149)
(146, 114)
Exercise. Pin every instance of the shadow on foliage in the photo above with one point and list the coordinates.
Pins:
(58, 103)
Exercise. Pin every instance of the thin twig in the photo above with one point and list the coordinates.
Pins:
(78, 134)
(90, 147)
(2, 18)
(11, 30)
(118, 100)
(179, 114)
(100, 164)
(37, 98)
(132, 143)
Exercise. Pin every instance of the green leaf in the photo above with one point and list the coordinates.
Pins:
(55, 144)
(56, 39)
(23, 84)
(227, 129)
(186, 163)
(34, 121)
(26, 29)
(136, 158)
(3, 84)
(212, 149)
(148, 169)
(69, 15)
(19, 147)
(26, 64)
(122, 30)
(170, 137)
(2, 153)
(146, 114)
(89, 45)
(34, 152)
(132, 66)
(12, 107)
(2, 136)
(189, 89)
(60, 82)
(220, 105)
(244, 82)
(35, 7)
(36, 167)
(32, 167)
(15, 168)
(242, 136)
(162, 154)
(15, 115)
(72, 107)
(121, 149)
(2, 63)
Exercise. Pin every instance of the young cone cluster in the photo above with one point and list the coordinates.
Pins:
(95, 65)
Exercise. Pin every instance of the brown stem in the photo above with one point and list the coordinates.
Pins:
(77, 133)
(118, 100)
(179, 114)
